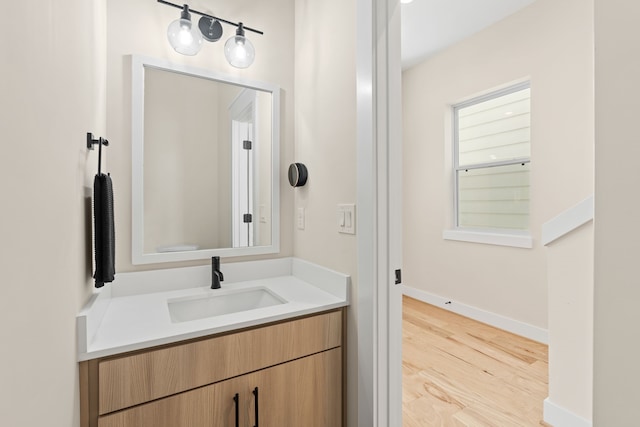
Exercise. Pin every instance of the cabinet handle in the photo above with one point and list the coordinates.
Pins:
(255, 394)
(236, 400)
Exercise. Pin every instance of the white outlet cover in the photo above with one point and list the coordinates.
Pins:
(300, 219)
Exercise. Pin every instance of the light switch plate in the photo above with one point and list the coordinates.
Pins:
(346, 218)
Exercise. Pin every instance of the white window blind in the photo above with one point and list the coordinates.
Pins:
(492, 154)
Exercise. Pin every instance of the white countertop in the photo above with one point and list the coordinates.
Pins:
(134, 313)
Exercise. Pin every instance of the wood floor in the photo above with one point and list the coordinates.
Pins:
(459, 372)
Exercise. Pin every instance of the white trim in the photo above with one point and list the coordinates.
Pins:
(365, 387)
(493, 94)
(393, 329)
(490, 238)
(505, 323)
(379, 125)
(568, 221)
(558, 416)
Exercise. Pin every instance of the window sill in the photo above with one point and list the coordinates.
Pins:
(515, 240)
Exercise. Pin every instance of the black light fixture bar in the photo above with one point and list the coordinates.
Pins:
(235, 24)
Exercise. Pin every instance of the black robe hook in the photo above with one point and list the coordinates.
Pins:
(100, 141)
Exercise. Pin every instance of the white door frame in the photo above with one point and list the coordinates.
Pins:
(393, 82)
(379, 213)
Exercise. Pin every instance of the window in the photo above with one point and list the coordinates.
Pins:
(491, 161)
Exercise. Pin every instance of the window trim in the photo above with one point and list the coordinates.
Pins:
(494, 236)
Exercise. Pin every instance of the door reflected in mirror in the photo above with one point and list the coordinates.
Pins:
(204, 164)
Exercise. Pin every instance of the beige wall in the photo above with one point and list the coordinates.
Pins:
(325, 134)
(570, 274)
(53, 92)
(139, 27)
(181, 151)
(617, 292)
(549, 43)
(263, 162)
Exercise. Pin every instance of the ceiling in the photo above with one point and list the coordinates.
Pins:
(429, 26)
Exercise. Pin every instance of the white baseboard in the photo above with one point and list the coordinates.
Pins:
(514, 326)
(558, 416)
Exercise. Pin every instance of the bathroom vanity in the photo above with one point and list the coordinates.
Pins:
(277, 365)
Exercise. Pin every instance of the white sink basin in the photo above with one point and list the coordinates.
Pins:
(218, 304)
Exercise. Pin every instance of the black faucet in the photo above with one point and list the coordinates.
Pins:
(216, 274)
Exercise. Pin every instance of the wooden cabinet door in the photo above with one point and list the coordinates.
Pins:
(210, 406)
(305, 392)
(138, 378)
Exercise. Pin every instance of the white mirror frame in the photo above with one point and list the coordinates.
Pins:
(138, 64)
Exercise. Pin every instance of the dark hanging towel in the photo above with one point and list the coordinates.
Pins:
(105, 238)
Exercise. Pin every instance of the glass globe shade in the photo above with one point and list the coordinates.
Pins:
(239, 51)
(184, 37)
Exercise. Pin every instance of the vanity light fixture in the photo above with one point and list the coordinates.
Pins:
(238, 50)
(184, 37)
(187, 39)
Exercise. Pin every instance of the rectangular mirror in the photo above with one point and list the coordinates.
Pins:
(205, 150)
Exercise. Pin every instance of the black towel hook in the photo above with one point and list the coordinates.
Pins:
(100, 141)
